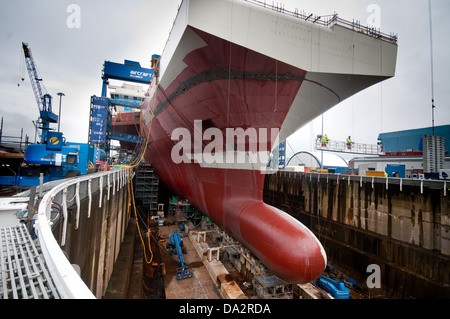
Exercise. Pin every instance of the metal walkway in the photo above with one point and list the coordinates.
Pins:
(23, 271)
(354, 148)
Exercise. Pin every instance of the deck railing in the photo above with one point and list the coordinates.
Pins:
(67, 281)
(328, 21)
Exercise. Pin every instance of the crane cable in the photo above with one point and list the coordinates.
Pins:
(140, 156)
(21, 68)
(135, 163)
(432, 62)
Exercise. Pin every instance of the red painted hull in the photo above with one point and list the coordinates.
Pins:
(229, 86)
(127, 123)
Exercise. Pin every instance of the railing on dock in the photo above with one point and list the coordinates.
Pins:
(387, 181)
(67, 281)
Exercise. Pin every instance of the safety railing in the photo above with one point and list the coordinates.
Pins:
(67, 281)
(423, 184)
(328, 21)
(352, 148)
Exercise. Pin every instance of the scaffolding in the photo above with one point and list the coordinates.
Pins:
(269, 286)
(265, 284)
(147, 187)
(351, 148)
(216, 245)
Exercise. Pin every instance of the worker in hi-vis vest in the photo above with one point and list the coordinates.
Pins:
(325, 140)
(349, 142)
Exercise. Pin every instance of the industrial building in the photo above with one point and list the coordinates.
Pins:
(405, 153)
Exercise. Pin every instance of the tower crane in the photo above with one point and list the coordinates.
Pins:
(44, 101)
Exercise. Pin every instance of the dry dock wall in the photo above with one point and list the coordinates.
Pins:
(95, 244)
(400, 225)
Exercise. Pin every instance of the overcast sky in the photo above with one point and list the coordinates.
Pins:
(70, 53)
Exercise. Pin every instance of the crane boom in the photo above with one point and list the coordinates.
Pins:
(44, 101)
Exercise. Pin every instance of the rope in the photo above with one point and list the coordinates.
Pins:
(276, 85)
(135, 163)
(142, 150)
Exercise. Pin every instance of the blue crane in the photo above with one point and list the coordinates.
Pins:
(130, 71)
(44, 101)
(100, 126)
(53, 156)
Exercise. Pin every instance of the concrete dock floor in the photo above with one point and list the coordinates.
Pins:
(200, 286)
(126, 280)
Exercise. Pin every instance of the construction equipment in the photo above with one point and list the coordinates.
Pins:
(44, 101)
(130, 71)
(176, 245)
(53, 157)
(335, 288)
(102, 122)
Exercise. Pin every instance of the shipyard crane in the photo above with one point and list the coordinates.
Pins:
(53, 158)
(44, 101)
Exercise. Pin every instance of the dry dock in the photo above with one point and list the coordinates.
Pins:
(400, 225)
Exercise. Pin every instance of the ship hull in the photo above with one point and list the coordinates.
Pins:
(127, 123)
(210, 84)
(230, 193)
